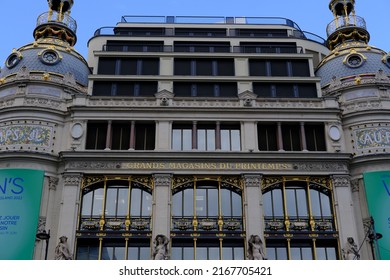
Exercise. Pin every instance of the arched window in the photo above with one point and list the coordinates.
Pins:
(302, 209)
(207, 207)
(113, 207)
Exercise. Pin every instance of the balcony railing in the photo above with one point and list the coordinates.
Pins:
(115, 31)
(61, 19)
(345, 22)
(203, 49)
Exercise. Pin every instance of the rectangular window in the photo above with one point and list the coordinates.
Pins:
(279, 68)
(300, 68)
(226, 90)
(315, 137)
(181, 137)
(301, 251)
(285, 91)
(145, 135)
(262, 32)
(251, 47)
(307, 90)
(96, 136)
(204, 67)
(146, 88)
(217, 47)
(210, 32)
(263, 90)
(206, 138)
(107, 66)
(258, 68)
(267, 136)
(120, 136)
(230, 138)
(291, 137)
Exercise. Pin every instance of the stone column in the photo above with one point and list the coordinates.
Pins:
(194, 136)
(344, 209)
(359, 200)
(132, 136)
(109, 135)
(162, 204)
(69, 208)
(280, 137)
(303, 137)
(253, 205)
(217, 136)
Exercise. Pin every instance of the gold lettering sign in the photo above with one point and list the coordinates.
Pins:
(206, 166)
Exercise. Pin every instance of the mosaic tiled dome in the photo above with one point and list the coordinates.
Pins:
(350, 61)
(47, 58)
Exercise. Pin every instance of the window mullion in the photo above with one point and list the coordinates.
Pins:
(311, 218)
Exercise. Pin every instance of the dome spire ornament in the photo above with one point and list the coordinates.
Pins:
(57, 22)
(346, 26)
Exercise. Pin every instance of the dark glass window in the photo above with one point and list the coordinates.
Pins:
(87, 249)
(252, 47)
(315, 137)
(134, 46)
(285, 90)
(204, 67)
(147, 88)
(202, 47)
(267, 136)
(209, 32)
(145, 135)
(107, 66)
(120, 136)
(96, 136)
(291, 137)
(300, 68)
(139, 31)
(307, 90)
(258, 68)
(205, 89)
(279, 68)
(262, 32)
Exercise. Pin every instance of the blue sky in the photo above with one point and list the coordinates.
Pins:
(18, 18)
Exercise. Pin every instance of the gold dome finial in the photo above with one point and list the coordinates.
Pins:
(57, 23)
(346, 26)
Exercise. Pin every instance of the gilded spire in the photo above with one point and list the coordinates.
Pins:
(57, 22)
(346, 26)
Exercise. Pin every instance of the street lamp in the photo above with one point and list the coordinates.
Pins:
(44, 236)
(374, 237)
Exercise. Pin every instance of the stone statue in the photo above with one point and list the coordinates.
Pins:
(62, 251)
(335, 82)
(160, 247)
(350, 250)
(256, 248)
(381, 76)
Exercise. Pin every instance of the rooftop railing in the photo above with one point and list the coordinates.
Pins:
(61, 19)
(345, 22)
(209, 20)
(278, 49)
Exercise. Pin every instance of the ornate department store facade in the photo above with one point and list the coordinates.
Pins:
(193, 135)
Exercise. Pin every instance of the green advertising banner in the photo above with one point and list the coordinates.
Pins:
(377, 185)
(20, 200)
